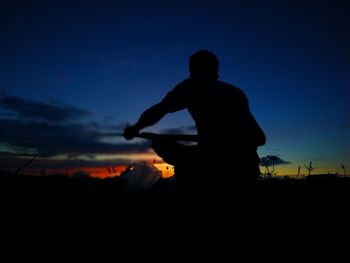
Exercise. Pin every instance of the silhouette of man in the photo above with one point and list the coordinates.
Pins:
(228, 133)
(216, 174)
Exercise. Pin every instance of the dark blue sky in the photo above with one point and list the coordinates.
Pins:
(113, 59)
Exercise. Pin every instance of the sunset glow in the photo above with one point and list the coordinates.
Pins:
(74, 76)
(249, 100)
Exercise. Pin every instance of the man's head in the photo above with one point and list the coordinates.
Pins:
(204, 64)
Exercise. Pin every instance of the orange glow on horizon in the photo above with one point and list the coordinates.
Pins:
(106, 172)
(95, 172)
(167, 170)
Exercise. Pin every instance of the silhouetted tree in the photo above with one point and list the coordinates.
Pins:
(271, 161)
(309, 168)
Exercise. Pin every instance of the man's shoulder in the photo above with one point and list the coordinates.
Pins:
(230, 87)
(184, 83)
(180, 91)
(183, 87)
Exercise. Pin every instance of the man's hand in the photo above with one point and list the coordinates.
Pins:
(130, 132)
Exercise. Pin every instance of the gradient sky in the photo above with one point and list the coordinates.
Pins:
(73, 71)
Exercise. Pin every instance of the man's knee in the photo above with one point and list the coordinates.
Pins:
(167, 150)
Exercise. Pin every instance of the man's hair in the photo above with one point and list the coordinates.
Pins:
(204, 63)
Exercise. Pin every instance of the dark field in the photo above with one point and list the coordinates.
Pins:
(279, 220)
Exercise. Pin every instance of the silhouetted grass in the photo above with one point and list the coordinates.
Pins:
(276, 218)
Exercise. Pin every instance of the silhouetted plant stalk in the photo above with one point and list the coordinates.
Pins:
(298, 174)
(111, 171)
(309, 168)
(24, 165)
(343, 167)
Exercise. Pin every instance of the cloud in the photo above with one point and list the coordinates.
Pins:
(180, 130)
(57, 129)
(271, 160)
(54, 139)
(117, 126)
(10, 162)
(51, 111)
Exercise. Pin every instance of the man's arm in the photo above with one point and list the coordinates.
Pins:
(175, 100)
(148, 118)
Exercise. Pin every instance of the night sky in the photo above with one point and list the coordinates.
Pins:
(73, 73)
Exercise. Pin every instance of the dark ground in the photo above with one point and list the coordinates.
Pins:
(280, 220)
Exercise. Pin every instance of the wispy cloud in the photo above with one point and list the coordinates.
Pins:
(180, 130)
(57, 129)
(54, 139)
(50, 111)
(10, 162)
(272, 160)
(43, 163)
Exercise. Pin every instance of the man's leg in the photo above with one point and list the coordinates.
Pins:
(168, 150)
(182, 157)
